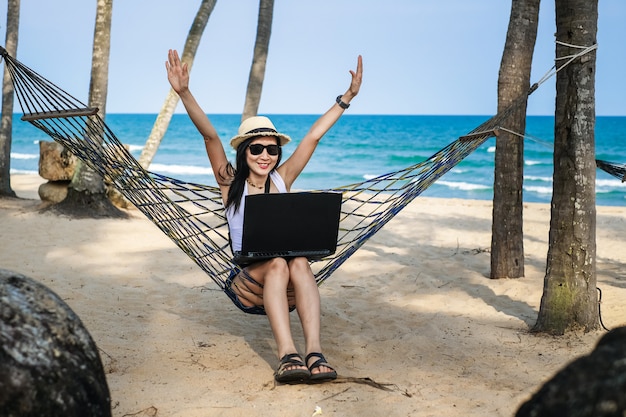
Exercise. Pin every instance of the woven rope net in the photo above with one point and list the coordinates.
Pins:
(192, 215)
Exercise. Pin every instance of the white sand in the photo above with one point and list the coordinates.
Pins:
(414, 308)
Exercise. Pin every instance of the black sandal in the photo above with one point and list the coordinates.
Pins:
(320, 376)
(285, 375)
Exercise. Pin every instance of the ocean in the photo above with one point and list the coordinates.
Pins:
(359, 147)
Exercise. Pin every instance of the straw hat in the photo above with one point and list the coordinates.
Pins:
(257, 126)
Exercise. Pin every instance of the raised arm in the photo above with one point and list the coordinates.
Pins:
(293, 166)
(178, 76)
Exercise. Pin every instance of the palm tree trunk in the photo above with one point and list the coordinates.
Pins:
(570, 299)
(257, 70)
(6, 123)
(167, 110)
(86, 194)
(507, 237)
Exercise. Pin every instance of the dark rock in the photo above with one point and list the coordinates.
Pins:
(592, 385)
(49, 364)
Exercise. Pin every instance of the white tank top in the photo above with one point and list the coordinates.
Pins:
(235, 218)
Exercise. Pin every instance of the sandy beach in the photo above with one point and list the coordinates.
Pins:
(413, 310)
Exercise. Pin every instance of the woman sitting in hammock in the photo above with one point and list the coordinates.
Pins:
(274, 286)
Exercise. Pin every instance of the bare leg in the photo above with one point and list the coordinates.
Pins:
(275, 302)
(308, 306)
(274, 276)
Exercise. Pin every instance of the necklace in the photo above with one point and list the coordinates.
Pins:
(254, 185)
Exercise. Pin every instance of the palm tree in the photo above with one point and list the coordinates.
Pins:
(257, 70)
(507, 238)
(86, 195)
(6, 123)
(167, 110)
(570, 299)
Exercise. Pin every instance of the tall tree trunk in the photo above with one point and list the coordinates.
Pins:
(167, 110)
(507, 236)
(6, 123)
(86, 196)
(257, 70)
(570, 299)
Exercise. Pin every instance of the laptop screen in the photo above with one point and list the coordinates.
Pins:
(290, 224)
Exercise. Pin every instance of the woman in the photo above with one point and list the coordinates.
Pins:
(274, 286)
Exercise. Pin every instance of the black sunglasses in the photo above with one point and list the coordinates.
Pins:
(257, 149)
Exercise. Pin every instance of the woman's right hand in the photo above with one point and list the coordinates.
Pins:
(177, 72)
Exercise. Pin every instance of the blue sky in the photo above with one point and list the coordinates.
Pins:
(420, 57)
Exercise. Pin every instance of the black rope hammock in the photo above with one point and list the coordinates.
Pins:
(613, 168)
(616, 169)
(192, 215)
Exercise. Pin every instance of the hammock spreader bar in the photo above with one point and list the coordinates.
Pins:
(60, 114)
(479, 135)
(192, 215)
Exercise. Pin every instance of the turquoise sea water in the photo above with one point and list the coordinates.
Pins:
(360, 147)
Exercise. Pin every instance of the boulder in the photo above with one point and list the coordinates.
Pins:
(55, 162)
(49, 364)
(53, 191)
(592, 385)
(57, 165)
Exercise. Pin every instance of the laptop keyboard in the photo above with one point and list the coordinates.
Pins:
(258, 256)
(290, 253)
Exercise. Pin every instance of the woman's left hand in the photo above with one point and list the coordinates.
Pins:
(357, 76)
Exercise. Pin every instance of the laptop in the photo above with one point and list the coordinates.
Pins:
(289, 225)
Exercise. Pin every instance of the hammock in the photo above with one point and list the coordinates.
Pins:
(192, 215)
(613, 168)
